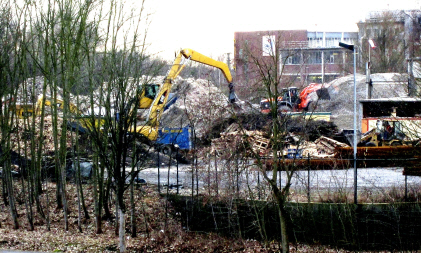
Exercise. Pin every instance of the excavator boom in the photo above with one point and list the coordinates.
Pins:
(149, 92)
(198, 57)
(157, 107)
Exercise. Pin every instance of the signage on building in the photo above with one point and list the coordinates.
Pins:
(268, 45)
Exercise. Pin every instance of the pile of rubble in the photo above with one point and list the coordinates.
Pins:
(22, 133)
(236, 139)
(200, 104)
(341, 90)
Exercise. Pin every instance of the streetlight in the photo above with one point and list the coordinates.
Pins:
(368, 67)
(352, 48)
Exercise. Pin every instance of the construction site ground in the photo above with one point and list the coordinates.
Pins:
(374, 184)
(204, 106)
(319, 182)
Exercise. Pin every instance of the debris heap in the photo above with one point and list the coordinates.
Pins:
(327, 146)
(235, 138)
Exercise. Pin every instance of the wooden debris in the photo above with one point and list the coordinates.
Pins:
(235, 138)
(328, 146)
(259, 144)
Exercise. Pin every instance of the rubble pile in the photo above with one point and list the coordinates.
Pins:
(22, 133)
(341, 90)
(235, 138)
(327, 146)
(199, 103)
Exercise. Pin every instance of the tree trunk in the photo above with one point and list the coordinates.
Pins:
(4, 191)
(284, 229)
(79, 211)
(121, 230)
(82, 199)
(10, 192)
(66, 221)
(133, 209)
(98, 191)
(117, 215)
(106, 199)
(48, 209)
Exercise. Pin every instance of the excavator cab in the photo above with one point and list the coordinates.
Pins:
(147, 95)
(289, 96)
(386, 133)
(392, 132)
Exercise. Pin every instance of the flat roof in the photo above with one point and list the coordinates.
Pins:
(388, 100)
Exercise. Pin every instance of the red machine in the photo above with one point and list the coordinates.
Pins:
(292, 101)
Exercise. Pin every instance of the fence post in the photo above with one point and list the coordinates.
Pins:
(159, 177)
(209, 175)
(216, 176)
(258, 184)
(308, 179)
(406, 188)
(178, 187)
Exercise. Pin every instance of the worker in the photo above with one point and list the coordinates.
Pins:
(388, 130)
(379, 126)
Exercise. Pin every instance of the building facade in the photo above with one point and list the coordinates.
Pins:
(303, 56)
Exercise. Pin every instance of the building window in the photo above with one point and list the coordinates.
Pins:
(315, 42)
(315, 58)
(332, 57)
(291, 58)
(332, 42)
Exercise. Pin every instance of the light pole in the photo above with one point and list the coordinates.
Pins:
(353, 49)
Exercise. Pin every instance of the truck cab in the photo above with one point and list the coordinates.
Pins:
(171, 139)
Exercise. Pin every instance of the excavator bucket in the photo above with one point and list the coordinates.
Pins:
(323, 94)
(232, 96)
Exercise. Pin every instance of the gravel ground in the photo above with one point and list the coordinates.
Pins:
(368, 179)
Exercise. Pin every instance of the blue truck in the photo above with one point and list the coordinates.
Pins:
(172, 138)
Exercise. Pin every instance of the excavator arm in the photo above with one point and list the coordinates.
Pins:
(59, 103)
(198, 57)
(157, 107)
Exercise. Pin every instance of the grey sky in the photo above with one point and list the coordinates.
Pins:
(209, 26)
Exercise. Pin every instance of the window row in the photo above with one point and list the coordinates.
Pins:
(327, 42)
(296, 58)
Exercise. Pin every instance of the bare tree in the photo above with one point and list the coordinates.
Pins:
(9, 74)
(123, 63)
(270, 69)
(387, 30)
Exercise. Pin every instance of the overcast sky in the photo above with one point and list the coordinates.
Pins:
(208, 26)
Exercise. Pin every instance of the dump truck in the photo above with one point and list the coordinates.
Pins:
(171, 139)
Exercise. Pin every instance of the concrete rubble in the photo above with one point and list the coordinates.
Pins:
(340, 105)
(200, 103)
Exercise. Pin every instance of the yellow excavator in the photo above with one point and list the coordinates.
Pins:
(149, 92)
(386, 133)
(59, 103)
(155, 96)
(150, 129)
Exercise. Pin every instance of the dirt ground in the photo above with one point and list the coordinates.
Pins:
(155, 232)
